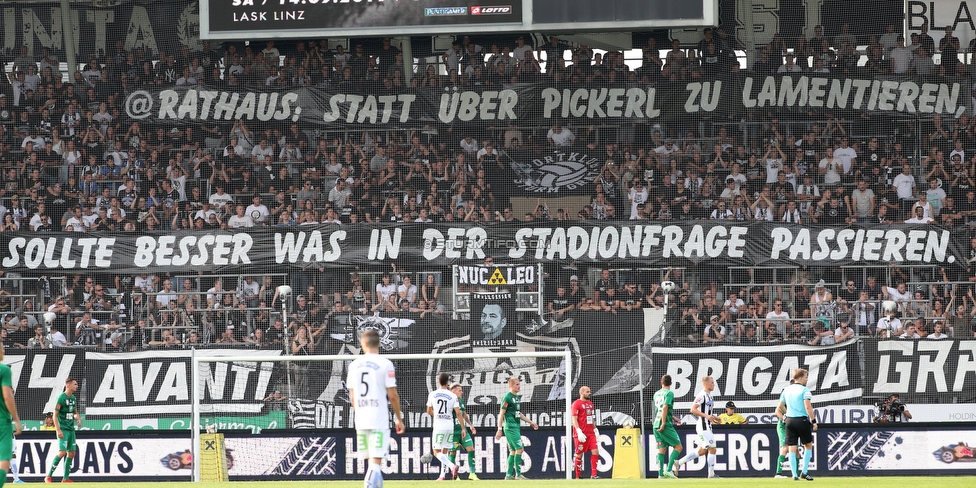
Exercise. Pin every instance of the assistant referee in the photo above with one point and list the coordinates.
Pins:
(800, 421)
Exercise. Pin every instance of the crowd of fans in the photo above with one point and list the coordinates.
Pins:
(71, 160)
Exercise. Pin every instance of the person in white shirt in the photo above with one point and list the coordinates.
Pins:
(807, 193)
(778, 316)
(372, 390)
(910, 332)
(904, 186)
(938, 332)
(443, 407)
(830, 168)
(219, 199)
(257, 211)
(76, 223)
(773, 164)
(928, 210)
(703, 410)
(762, 208)
(901, 57)
(846, 155)
(721, 212)
(240, 220)
(638, 197)
(386, 295)
(899, 294)
(248, 292)
(166, 295)
(204, 213)
(408, 291)
(889, 327)
(262, 153)
(469, 144)
(843, 332)
(88, 218)
(560, 136)
(919, 217)
(57, 338)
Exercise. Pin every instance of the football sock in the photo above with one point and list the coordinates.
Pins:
(445, 461)
(470, 461)
(660, 465)
(518, 465)
(54, 465)
(671, 460)
(453, 456)
(710, 459)
(67, 468)
(807, 454)
(792, 456)
(511, 466)
(367, 480)
(688, 457)
(779, 464)
(578, 465)
(374, 477)
(3, 476)
(593, 463)
(13, 470)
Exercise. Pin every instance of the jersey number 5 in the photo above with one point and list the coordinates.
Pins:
(365, 384)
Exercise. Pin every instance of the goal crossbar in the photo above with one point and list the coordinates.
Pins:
(566, 355)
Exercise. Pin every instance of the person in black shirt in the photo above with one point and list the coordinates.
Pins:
(630, 299)
(560, 304)
(276, 334)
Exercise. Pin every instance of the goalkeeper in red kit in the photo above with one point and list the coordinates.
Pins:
(585, 434)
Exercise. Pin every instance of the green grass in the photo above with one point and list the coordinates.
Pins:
(845, 482)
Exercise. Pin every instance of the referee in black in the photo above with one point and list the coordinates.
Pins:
(800, 421)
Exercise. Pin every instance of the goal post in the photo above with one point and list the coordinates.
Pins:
(202, 380)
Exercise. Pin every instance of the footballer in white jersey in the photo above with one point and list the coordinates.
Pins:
(369, 379)
(441, 404)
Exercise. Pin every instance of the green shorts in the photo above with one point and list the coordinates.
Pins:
(781, 433)
(462, 443)
(667, 438)
(6, 443)
(69, 443)
(514, 437)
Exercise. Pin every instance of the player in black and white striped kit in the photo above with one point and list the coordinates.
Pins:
(703, 408)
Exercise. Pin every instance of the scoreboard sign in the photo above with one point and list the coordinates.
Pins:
(249, 19)
(234, 19)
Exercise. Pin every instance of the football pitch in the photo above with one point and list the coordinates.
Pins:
(833, 481)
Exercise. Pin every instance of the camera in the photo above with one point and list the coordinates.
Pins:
(889, 410)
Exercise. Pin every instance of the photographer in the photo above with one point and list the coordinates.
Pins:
(892, 410)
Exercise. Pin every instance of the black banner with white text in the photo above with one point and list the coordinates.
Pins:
(940, 369)
(326, 246)
(525, 102)
(756, 375)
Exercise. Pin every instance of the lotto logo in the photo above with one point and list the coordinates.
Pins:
(495, 10)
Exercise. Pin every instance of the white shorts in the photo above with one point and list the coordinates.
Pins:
(372, 443)
(442, 440)
(705, 439)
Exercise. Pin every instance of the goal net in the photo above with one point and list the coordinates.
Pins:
(284, 383)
